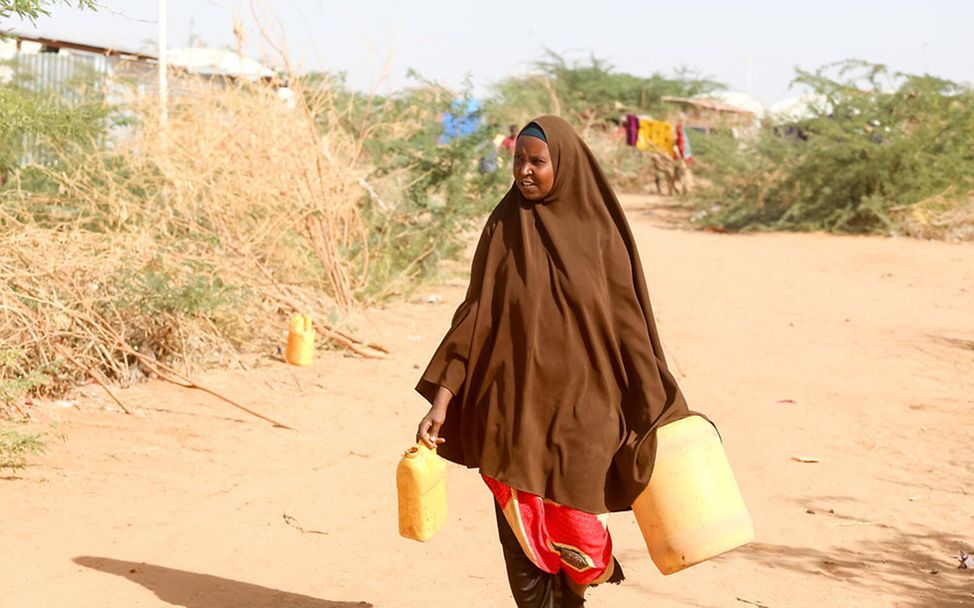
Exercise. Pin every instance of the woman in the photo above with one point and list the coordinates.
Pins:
(551, 379)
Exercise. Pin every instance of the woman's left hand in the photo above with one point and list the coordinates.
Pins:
(429, 427)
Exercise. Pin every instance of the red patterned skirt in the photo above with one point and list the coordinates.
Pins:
(555, 537)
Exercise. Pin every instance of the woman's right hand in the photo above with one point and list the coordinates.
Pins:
(429, 427)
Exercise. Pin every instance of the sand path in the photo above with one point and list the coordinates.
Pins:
(857, 351)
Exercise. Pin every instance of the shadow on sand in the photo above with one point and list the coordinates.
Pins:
(918, 566)
(194, 590)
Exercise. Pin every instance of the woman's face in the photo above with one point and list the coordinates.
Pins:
(533, 173)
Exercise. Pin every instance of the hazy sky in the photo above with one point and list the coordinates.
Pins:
(444, 40)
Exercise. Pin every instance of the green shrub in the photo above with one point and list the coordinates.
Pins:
(588, 93)
(18, 378)
(430, 193)
(32, 9)
(879, 141)
(15, 383)
(15, 448)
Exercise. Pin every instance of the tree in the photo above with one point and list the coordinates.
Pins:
(25, 112)
(588, 92)
(32, 9)
(878, 142)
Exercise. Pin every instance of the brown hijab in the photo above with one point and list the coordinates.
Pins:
(553, 356)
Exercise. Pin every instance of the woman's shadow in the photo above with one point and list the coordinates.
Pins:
(193, 590)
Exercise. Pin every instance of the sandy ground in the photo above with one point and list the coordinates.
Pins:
(858, 352)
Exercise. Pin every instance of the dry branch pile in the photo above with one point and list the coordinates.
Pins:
(179, 245)
(944, 216)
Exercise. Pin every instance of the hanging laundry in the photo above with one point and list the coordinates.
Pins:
(632, 129)
(683, 144)
(655, 135)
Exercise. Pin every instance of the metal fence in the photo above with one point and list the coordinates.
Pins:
(75, 78)
(65, 75)
(72, 78)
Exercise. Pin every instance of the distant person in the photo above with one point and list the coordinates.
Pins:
(683, 176)
(679, 172)
(683, 158)
(488, 162)
(663, 173)
(509, 142)
(551, 380)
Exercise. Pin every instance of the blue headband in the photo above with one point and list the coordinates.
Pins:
(533, 130)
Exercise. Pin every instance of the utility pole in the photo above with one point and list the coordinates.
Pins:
(750, 72)
(163, 66)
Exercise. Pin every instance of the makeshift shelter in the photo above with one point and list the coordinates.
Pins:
(708, 115)
(219, 63)
(798, 108)
(461, 120)
(51, 64)
(738, 99)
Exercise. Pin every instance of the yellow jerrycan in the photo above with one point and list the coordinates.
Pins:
(421, 484)
(300, 341)
(692, 509)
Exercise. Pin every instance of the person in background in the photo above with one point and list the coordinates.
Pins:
(551, 380)
(488, 162)
(683, 158)
(679, 172)
(663, 172)
(509, 142)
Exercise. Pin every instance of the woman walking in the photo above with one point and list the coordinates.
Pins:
(551, 380)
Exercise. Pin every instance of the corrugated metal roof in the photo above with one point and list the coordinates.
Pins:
(83, 47)
(708, 104)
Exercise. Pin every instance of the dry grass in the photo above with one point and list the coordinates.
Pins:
(187, 243)
(942, 217)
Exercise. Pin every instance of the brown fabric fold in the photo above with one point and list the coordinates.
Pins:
(558, 376)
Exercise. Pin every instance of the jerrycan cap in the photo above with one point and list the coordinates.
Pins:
(417, 450)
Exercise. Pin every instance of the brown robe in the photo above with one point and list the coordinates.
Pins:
(553, 357)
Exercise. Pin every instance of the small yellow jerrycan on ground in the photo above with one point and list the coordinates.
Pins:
(692, 509)
(300, 341)
(421, 484)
